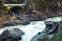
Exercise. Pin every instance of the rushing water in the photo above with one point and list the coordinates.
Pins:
(32, 29)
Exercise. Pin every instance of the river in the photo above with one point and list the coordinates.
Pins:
(32, 29)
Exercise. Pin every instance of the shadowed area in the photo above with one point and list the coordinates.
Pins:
(15, 8)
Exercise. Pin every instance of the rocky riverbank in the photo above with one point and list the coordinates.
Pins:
(9, 18)
(52, 32)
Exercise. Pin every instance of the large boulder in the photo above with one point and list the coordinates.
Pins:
(51, 27)
(14, 34)
(24, 20)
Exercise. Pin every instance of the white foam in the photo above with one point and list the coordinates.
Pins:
(32, 29)
(55, 19)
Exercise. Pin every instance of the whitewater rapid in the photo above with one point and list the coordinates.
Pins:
(32, 29)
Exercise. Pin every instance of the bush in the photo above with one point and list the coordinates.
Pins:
(58, 36)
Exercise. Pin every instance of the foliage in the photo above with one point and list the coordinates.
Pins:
(58, 36)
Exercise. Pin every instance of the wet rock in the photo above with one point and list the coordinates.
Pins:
(14, 34)
(39, 37)
(51, 27)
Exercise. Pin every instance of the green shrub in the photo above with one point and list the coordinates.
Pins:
(58, 36)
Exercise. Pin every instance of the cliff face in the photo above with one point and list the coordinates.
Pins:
(41, 9)
(44, 9)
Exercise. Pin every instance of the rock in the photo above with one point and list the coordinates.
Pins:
(14, 34)
(24, 20)
(10, 24)
(39, 37)
(51, 27)
(1, 25)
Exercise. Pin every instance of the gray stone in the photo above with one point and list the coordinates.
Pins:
(51, 27)
(14, 34)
